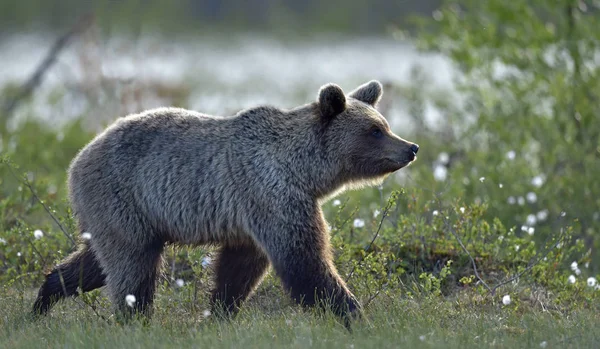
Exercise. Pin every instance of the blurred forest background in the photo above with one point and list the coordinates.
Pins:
(192, 16)
(502, 96)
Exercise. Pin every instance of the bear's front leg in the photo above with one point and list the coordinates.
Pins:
(300, 254)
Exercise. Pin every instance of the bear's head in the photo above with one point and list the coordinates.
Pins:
(358, 136)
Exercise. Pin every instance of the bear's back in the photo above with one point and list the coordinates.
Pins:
(167, 168)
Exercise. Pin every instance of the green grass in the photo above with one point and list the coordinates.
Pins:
(391, 322)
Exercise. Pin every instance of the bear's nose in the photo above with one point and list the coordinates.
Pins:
(414, 148)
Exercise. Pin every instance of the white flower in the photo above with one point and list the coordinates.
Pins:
(506, 300)
(376, 213)
(521, 201)
(2, 241)
(86, 235)
(591, 281)
(500, 185)
(421, 338)
(531, 197)
(531, 219)
(462, 210)
(511, 155)
(537, 181)
(530, 230)
(563, 213)
(543, 344)
(587, 265)
(359, 223)
(481, 179)
(501, 237)
(511, 200)
(542, 215)
(130, 300)
(206, 261)
(336, 202)
(179, 282)
(38, 234)
(440, 172)
(571, 279)
(435, 212)
(18, 254)
(206, 313)
(444, 158)
(574, 266)
(517, 248)
(577, 271)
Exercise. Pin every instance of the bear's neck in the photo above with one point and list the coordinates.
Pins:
(315, 172)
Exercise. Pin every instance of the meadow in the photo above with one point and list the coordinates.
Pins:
(490, 239)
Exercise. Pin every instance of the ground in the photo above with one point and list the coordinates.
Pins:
(393, 321)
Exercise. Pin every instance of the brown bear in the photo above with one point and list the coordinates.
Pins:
(252, 183)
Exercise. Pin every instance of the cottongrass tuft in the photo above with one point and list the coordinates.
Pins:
(130, 300)
(440, 172)
(531, 197)
(591, 281)
(574, 266)
(537, 181)
(359, 223)
(336, 202)
(86, 236)
(206, 313)
(506, 300)
(571, 279)
(531, 219)
(38, 234)
(206, 261)
(179, 282)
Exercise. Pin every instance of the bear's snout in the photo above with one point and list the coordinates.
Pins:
(414, 148)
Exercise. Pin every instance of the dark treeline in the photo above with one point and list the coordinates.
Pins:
(293, 16)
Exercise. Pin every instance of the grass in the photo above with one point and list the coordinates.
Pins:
(391, 322)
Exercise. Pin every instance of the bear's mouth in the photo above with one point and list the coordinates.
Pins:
(398, 164)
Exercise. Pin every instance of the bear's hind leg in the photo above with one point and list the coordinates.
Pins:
(131, 271)
(239, 270)
(79, 270)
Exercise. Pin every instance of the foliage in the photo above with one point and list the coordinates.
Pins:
(529, 86)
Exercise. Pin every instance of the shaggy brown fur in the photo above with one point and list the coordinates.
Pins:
(252, 183)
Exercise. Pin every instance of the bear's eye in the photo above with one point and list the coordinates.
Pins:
(377, 133)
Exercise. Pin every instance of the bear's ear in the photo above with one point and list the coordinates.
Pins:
(332, 101)
(369, 93)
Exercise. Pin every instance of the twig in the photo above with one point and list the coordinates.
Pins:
(492, 290)
(465, 250)
(25, 181)
(530, 266)
(35, 79)
(387, 208)
(372, 298)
